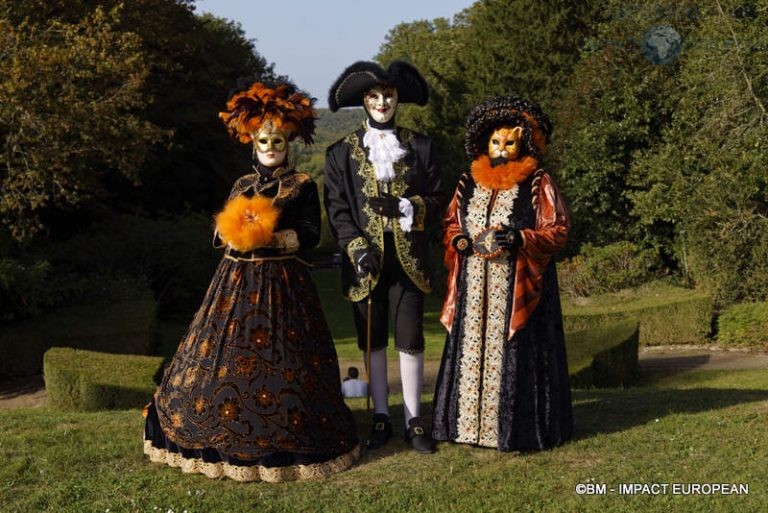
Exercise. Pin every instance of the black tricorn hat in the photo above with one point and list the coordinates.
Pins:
(349, 88)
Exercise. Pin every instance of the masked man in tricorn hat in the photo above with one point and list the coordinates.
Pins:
(382, 187)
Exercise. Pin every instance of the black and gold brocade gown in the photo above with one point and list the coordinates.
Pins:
(253, 391)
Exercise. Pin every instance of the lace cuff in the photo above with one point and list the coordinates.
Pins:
(406, 221)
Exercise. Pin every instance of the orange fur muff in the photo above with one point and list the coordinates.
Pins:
(246, 224)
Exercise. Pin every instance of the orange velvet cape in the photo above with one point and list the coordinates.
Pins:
(540, 244)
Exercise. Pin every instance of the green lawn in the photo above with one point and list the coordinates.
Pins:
(687, 427)
(677, 427)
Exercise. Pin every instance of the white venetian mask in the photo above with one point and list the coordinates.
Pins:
(380, 103)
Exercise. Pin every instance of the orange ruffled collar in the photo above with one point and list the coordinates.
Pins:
(503, 176)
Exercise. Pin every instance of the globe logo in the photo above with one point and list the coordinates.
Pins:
(661, 44)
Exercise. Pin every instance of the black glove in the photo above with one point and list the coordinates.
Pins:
(386, 205)
(365, 262)
(508, 238)
(462, 244)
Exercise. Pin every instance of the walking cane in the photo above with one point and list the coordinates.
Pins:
(368, 347)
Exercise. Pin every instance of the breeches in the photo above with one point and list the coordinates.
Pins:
(397, 298)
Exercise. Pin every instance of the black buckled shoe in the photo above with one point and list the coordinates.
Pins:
(421, 441)
(381, 431)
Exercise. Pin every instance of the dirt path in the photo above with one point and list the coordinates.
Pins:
(23, 393)
(700, 357)
(30, 393)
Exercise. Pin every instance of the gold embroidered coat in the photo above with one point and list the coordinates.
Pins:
(349, 184)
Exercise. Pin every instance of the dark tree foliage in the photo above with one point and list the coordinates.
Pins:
(167, 75)
(108, 113)
(524, 48)
(668, 156)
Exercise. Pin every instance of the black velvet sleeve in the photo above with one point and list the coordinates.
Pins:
(338, 197)
(434, 195)
(429, 200)
(307, 224)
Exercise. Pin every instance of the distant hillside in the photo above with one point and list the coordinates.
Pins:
(331, 126)
(342, 121)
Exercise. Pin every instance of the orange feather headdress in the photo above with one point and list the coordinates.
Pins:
(289, 110)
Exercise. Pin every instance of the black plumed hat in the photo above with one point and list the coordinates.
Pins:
(498, 111)
(349, 88)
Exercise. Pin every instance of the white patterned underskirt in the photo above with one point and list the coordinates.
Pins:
(487, 295)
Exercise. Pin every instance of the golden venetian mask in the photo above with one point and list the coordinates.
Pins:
(505, 142)
(270, 146)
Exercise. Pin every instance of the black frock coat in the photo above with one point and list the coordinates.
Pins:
(349, 184)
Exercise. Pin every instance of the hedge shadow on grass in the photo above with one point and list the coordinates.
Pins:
(599, 411)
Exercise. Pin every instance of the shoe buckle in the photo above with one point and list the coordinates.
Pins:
(379, 426)
(417, 430)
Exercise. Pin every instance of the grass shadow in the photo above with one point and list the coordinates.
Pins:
(677, 363)
(397, 444)
(14, 388)
(609, 411)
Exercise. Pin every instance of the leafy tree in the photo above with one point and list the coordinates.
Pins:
(70, 97)
(707, 180)
(196, 63)
(616, 106)
(108, 115)
(495, 47)
(90, 87)
(433, 47)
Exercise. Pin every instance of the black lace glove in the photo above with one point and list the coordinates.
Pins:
(462, 244)
(386, 205)
(365, 262)
(508, 238)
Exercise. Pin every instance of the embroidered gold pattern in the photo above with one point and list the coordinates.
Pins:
(286, 240)
(252, 473)
(289, 187)
(356, 245)
(420, 213)
(484, 326)
(402, 241)
(373, 228)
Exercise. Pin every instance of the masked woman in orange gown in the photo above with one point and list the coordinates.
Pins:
(503, 380)
(253, 390)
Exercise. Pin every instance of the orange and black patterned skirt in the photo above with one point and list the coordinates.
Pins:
(253, 392)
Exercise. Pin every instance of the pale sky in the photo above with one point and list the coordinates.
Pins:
(312, 41)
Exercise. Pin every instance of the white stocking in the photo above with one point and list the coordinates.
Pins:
(412, 377)
(378, 380)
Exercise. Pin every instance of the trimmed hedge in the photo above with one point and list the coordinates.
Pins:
(604, 357)
(125, 327)
(744, 324)
(597, 270)
(667, 314)
(89, 381)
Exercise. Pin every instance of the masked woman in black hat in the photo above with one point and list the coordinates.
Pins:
(503, 381)
(253, 390)
(382, 190)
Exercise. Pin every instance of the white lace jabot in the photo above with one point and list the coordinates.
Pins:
(383, 151)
